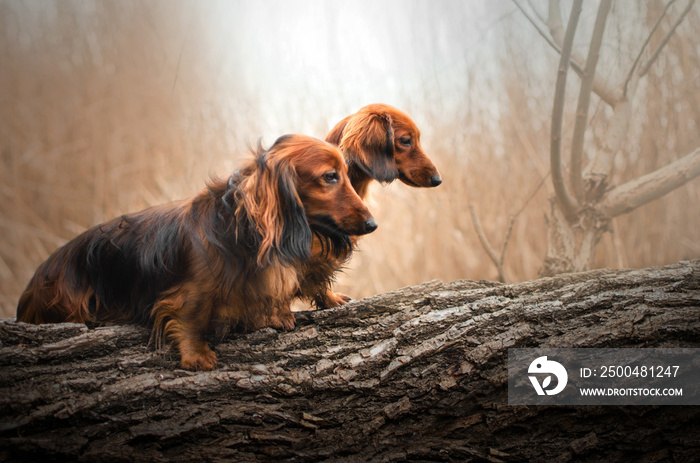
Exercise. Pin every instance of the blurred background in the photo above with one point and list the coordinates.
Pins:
(107, 107)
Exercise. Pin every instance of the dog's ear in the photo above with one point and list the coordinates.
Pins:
(336, 134)
(368, 143)
(271, 202)
(295, 239)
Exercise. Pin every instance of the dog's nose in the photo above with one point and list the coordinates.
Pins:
(435, 180)
(370, 225)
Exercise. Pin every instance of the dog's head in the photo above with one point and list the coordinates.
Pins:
(300, 187)
(383, 143)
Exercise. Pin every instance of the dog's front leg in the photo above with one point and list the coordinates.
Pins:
(184, 319)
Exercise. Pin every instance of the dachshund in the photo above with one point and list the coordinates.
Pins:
(380, 143)
(234, 253)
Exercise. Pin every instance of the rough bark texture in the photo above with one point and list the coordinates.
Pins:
(571, 244)
(416, 374)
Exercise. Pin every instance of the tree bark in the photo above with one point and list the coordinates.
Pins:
(415, 374)
(571, 243)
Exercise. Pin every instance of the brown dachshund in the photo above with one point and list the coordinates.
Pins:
(380, 143)
(235, 253)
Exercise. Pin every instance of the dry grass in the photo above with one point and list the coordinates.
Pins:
(97, 119)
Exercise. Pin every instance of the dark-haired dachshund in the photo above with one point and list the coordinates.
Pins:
(380, 143)
(235, 253)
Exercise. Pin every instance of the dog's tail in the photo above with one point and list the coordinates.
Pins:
(58, 291)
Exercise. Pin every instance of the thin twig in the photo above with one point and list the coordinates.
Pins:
(663, 43)
(486, 245)
(499, 260)
(644, 46)
(513, 218)
(506, 238)
(532, 195)
(547, 37)
(537, 13)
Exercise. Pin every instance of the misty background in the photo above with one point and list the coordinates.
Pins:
(108, 107)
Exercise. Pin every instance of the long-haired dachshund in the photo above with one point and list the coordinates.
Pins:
(235, 253)
(380, 143)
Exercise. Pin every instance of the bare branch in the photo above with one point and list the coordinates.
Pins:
(532, 195)
(568, 203)
(537, 13)
(500, 260)
(584, 99)
(665, 40)
(487, 246)
(506, 239)
(603, 89)
(575, 66)
(644, 46)
(633, 194)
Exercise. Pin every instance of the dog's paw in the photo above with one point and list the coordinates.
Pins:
(203, 359)
(331, 299)
(279, 320)
(342, 299)
(286, 320)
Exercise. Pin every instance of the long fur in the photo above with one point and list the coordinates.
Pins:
(372, 142)
(235, 253)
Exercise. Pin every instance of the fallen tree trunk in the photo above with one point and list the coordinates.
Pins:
(415, 374)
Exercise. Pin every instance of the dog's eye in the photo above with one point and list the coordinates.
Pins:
(406, 141)
(331, 177)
